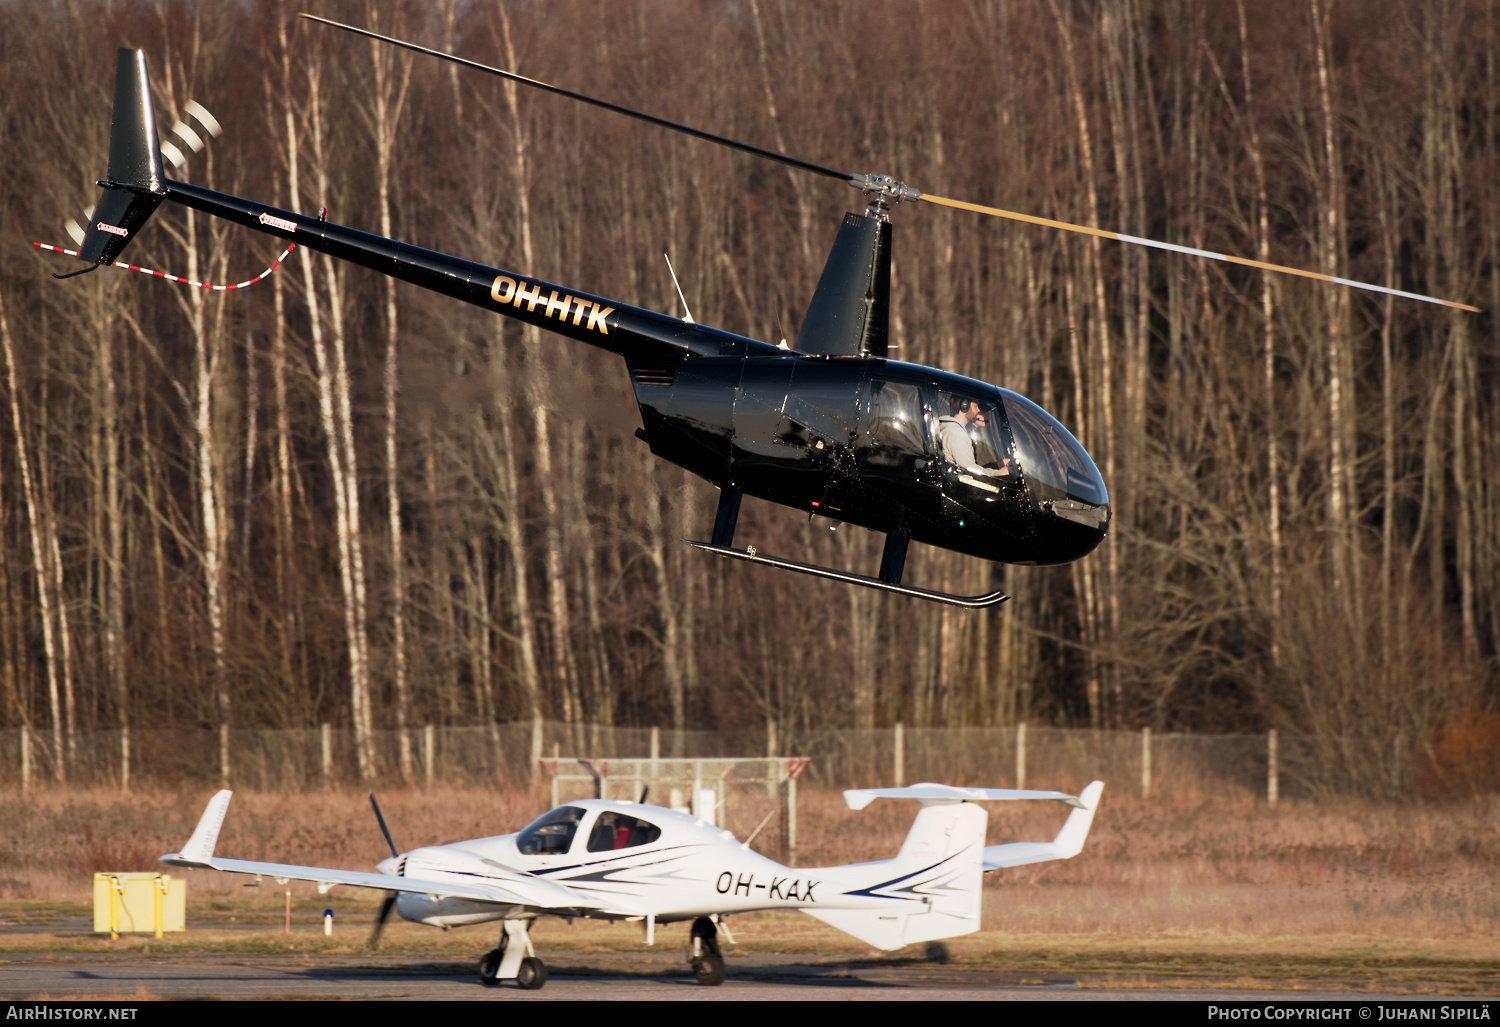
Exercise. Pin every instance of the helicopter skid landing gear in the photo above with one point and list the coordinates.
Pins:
(703, 952)
(513, 960)
(749, 554)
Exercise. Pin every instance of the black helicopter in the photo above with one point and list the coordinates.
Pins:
(830, 425)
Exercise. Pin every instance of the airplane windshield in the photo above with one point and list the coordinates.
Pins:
(620, 831)
(551, 834)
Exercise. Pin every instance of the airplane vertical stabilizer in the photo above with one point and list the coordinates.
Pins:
(934, 882)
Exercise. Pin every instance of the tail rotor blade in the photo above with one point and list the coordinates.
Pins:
(386, 906)
(1190, 251)
(383, 829)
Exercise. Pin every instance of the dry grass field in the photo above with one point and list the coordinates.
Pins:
(1356, 894)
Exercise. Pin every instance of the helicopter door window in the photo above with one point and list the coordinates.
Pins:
(551, 834)
(621, 831)
(969, 438)
(819, 409)
(895, 416)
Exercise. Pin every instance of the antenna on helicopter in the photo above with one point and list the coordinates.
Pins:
(687, 314)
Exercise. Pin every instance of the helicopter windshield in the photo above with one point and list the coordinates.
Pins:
(1062, 477)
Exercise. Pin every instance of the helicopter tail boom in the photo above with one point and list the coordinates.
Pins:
(137, 185)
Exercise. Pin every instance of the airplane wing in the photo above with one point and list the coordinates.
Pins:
(496, 885)
(1067, 844)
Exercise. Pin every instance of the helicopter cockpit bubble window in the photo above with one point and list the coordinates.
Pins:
(970, 436)
(621, 831)
(1059, 472)
(551, 834)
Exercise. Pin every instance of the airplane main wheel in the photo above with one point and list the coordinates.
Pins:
(708, 963)
(489, 966)
(709, 969)
(532, 974)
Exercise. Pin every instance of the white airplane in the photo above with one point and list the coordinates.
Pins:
(620, 860)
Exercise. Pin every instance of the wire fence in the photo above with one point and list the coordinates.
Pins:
(1165, 765)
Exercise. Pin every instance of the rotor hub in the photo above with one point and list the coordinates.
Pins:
(883, 190)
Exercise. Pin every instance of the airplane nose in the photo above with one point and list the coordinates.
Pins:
(390, 866)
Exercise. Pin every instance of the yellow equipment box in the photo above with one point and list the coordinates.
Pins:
(137, 902)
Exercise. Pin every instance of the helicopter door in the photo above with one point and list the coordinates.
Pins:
(817, 430)
(892, 454)
(755, 456)
(792, 424)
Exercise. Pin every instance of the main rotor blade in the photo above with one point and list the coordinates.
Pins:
(1031, 219)
(697, 133)
(894, 191)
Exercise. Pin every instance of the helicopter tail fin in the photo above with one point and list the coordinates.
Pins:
(135, 187)
(850, 310)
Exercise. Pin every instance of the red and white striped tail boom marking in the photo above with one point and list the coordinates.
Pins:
(184, 281)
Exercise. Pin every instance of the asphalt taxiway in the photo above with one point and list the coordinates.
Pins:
(573, 976)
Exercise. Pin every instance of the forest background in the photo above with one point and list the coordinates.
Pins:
(335, 498)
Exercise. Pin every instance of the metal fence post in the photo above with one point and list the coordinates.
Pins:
(1021, 755)
(429, 736)
(791, 819)
(25, 758)
(327, 737)
(770, 752)
(1272, 774)
(655, 768)
(1145, 762)
(1396, 765)
(900, 757)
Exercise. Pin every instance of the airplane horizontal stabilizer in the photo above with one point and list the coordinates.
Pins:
(1067, 844)
(928, 793)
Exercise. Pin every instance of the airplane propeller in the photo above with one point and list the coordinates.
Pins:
(389, 903)
(885, 189)
(386, 905)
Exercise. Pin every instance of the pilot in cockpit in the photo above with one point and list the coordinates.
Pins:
(953, 433)
(966, 439)
(984, 451)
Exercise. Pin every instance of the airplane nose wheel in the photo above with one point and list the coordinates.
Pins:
(707, 961)
(529, 973)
